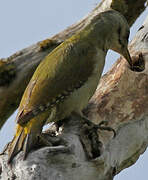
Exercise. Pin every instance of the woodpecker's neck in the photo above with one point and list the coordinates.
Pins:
(101, 34)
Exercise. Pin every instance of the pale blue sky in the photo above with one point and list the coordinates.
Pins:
(23, 23)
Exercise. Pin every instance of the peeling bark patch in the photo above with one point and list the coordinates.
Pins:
(140, 101)
(138, 63)
(103, 102)
(140, 106)
(129, 100)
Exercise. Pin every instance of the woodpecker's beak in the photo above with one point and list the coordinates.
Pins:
(127, 56)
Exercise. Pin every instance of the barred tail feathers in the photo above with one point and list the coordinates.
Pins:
(23, 140)
(26, 136)
(17, 143)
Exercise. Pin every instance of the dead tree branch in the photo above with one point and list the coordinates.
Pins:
(16, 70)
(121, 99)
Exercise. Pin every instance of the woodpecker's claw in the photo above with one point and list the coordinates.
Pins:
(102, 126)
(103, 123)
(105, 128)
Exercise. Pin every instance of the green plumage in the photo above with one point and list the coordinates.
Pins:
(68, 77)
(64, 70)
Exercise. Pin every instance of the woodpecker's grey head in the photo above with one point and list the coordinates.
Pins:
(111, 31)
(118, 33)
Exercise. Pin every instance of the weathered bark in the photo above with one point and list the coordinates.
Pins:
(122, 100)
(16, 71)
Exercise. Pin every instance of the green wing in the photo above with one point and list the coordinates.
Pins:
(66, 68)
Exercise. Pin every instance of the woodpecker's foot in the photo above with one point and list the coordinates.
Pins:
(101, 126)
(90, 138)
(90, 141)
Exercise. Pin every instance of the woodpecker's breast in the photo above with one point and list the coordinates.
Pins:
(88, 89)
(80, 97)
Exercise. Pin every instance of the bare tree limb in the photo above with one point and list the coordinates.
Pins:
(122, 100)
(16, 70)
